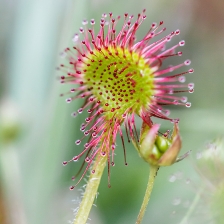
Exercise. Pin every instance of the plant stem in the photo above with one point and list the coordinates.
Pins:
(152, 175)
(192, 207)
(91, 190)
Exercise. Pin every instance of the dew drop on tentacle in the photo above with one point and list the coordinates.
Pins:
(103, 153)
(167, 113)
(188, 104)
(77, 142)
(191, 70)
(64, 163)
(177, 32)
(73, 114)
(184, 99)
(170, 91)
(68, 100)
(181, 43)
(87, 159)
(84, 22)
(86, 133)
(182, 79)
(191, 85)
(71, 188)
(80, 110)
(187, 62)
(82, 129)
(75, 158)
(75, 37)
(88, 119)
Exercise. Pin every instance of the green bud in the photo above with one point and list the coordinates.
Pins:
(162, 143)
(159, 150)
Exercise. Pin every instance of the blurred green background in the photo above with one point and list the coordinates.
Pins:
(37, 132)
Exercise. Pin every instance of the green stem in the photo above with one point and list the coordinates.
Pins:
(152, 175)
(91, 190)
(192, 207)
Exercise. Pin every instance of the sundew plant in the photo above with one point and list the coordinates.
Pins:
(120, 78)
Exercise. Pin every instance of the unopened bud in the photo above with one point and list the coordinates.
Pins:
(159, 150)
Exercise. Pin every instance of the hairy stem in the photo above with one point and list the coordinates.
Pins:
(91, 190)
(152, 175)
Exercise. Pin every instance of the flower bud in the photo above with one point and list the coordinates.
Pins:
(159, 150)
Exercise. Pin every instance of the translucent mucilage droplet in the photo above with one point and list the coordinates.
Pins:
(64, 163)
(77, 142)
(75, 158)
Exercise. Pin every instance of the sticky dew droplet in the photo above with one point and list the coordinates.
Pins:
(159, 110)
(71, 188)
(81, 30)
(191, 70)
(88, 119)
(73, 114)
(80, 110)
(84, 22)
(113, 146)
(190, 85)
(177, 32)
(92, 21)
(182, 43)
(82, 129)
(167, 112)
(68, 100)
(86, 133)
(187, 62)
(103, 153)
(77, 142)
(75, 37)
(75, 158)
(64, 163)
(182, 79)
(184, 99)
(188, 104)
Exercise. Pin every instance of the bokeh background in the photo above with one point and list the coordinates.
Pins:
(37, 132)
